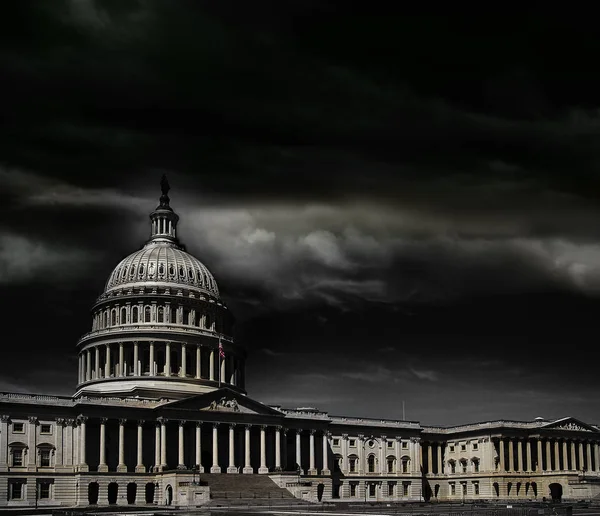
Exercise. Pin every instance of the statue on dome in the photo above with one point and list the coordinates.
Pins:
(164, 187)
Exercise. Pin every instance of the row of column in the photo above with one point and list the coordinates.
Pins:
(552, 455)
(160, 459)
(100, 362)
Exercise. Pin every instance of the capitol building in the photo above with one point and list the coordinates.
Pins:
(161, 416)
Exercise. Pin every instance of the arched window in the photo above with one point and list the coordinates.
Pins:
(186, 316)
(405, 464)
(45, 451)
(105, 320)
(134, 314)
(371, 463)
(161, 269)
(391, 464)
(141, 269)
(181, 271)
(173, 315)
(123, 315)
(352, 463)
(208, 322)
(475, 462)
(171, 271)
(161, 314)
(452, 465)
(113, 317)
(191, 274)
(132, 271)
(151, 269)
(124, 272)
(147, 314)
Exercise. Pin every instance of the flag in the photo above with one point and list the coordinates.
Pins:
(221, 352)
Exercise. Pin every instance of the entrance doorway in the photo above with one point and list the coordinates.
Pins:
(372, 487)
(93, 490)
(556, 492)
(113, 493)
(168, 495)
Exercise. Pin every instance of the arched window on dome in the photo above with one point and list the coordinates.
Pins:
(147, 314)
(105, 320)
(132, 271)
(191, 274)
(141, 269)
(113, 317)
(123, 315)
(173, 314)
(124, 272)
(208, 321)
(161, 269)
(151, 269)
(134, 314)
(205, 281)
(186, 316)
(171, 271)
(161, 314)
(181, 271)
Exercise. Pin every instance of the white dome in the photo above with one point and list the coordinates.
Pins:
(162, 263)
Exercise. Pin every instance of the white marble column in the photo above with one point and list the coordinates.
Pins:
(121, 360)
(277, 448)
(31, 444)
(140, 468)
(540, 458)
(215, 468)
(565, 456)
(199, 447)
(231, 467)
(439, 459)
(163, 444)
(312, 470)
(299, 450)
(573, 457)
(88, 365)
(211, 366)
(263, 451)
(68, 443)
(581, 459)
(501, 454)
(528, 454)
(325, 470)
(520, 455)
(58, 443)
(167, 359)
(198, 362)
(597, 457)
(107, 362)
(589, 456)
(136, 359)
(157, 447)
(151, 359)
(83, 466)
(183, 371)
(429, 458)
(556, 455)
(511, 455)
(181, 454)
(97, 361)
(122, 467)
(248, 469)
(102, 466)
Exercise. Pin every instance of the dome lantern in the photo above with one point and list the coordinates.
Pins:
(164, 219)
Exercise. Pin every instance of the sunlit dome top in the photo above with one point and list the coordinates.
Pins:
(163, 261)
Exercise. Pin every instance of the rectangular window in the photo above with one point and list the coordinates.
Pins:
(404, 445)
(336, 442)
(390, 489)
(352, 489)
(45, 458)
(452, 488)
(476, 488)
(16, 490)
(44, 492)
(352, 465)
(390, 444)
(18, 428)
(352, 442)
(17, 457)
(464, 488)
(45, 429)
(476, 466)
(451, 447)
(463, 447)
(405, 486)
(475, 446)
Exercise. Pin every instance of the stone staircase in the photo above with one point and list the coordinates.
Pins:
(245, 489)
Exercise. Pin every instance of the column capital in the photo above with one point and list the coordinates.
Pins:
(263, 428)
(278, 428)
(122, 421)
(248, 426)
(398, 438)
(141, 422)
(415, 439)
(299, 430)
(69, 421)
(33, 420)
(182, 422)
(81, 420)
(162, 420)
(384, 437)
(326, 433)
(232, 425)
(216, 424)
(59, 420)
(103, 420)
(4, 418)
(198, 424)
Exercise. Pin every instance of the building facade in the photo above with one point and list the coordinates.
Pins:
(161, 403)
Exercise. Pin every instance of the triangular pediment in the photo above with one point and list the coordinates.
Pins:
(224, 401)
(571, 424)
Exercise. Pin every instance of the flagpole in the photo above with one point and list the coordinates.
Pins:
(220, 358)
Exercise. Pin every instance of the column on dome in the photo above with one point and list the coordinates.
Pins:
(232, 370)
(211, 366)
(79, 369)
(223, 377)
(136, 359)
(231, 467)
(97, 361)
(88, 365)
(107, 362)
(215, 468)
(198, 362)
(263, 451)
(121, 366)
(183, 361)
(139, 467)
(122, 467)
(102, 466)
(247, 464)
(151, 359)
(167, 358)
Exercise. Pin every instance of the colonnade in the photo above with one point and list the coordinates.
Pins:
(159, 358)
(276, 444)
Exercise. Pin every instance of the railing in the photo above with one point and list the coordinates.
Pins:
(127, 328)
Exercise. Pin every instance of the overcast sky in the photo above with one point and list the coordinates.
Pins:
(395, 207)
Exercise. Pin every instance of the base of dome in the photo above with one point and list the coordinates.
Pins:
(172, 388)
